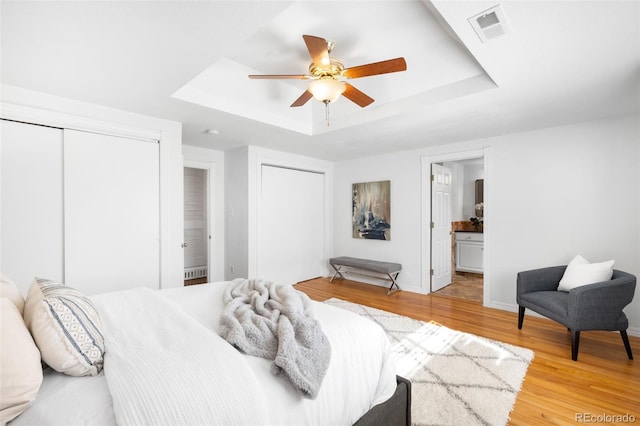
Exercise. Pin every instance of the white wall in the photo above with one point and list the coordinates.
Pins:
(404, 171)
(236, 179)
(463, 190)
(550, 194)
(215, 159)
(571, 190)
(35, 107)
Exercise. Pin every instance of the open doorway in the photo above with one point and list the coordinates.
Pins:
(196, 243)
(456, 231)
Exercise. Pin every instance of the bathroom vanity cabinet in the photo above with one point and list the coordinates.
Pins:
(469, 251)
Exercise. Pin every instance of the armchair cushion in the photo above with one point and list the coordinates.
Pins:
(551, 304)
(580, 272)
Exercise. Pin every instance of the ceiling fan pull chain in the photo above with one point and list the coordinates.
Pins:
(326, 116)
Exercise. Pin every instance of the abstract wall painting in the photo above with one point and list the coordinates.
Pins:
(371, 210)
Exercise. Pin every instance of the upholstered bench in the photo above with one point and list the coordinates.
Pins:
(390, 269)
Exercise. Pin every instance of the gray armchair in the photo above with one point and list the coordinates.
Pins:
(591, 307)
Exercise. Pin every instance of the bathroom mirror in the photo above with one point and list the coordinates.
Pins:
(479, 197)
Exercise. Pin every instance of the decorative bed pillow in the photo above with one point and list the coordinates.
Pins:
(580, 272)
(20, 368)
(66, 327)
(11, 291)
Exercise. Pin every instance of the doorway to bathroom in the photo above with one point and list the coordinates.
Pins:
(456, 229)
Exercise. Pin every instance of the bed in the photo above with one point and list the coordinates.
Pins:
(176, 369)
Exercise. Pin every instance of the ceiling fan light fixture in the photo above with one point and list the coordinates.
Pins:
(326, 74)
(327, 90)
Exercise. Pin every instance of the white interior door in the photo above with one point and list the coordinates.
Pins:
(111, 210)
(441, 228)
(291, 225)
(31, 191)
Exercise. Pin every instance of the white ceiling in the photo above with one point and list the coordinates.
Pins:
(562, 62)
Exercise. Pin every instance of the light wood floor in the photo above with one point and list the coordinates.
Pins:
(464, 285)
(556, 390)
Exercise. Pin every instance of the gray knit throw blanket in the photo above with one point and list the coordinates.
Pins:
(275, 321)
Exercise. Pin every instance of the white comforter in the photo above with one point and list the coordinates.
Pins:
(210, 382)
(169, 368)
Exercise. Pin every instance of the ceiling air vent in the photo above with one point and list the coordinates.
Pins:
(490, 24)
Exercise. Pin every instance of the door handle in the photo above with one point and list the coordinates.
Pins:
(184, 245)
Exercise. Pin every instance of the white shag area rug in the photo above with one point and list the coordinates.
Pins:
(456, 378)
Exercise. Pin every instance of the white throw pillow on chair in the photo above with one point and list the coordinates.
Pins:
(580, 272)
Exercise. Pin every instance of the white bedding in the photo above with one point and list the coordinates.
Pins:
(361, 374)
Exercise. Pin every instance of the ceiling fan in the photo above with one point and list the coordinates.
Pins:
(328, 75)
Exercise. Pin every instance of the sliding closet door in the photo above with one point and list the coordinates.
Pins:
(31, 191)
(111, 210)
(291, 227)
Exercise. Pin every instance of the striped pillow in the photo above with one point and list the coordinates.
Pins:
(66, 327)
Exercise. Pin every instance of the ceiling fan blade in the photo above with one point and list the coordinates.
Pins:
(302, 99)
(383, 67)
(356, 96)
(317, 47)
(280, 76)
